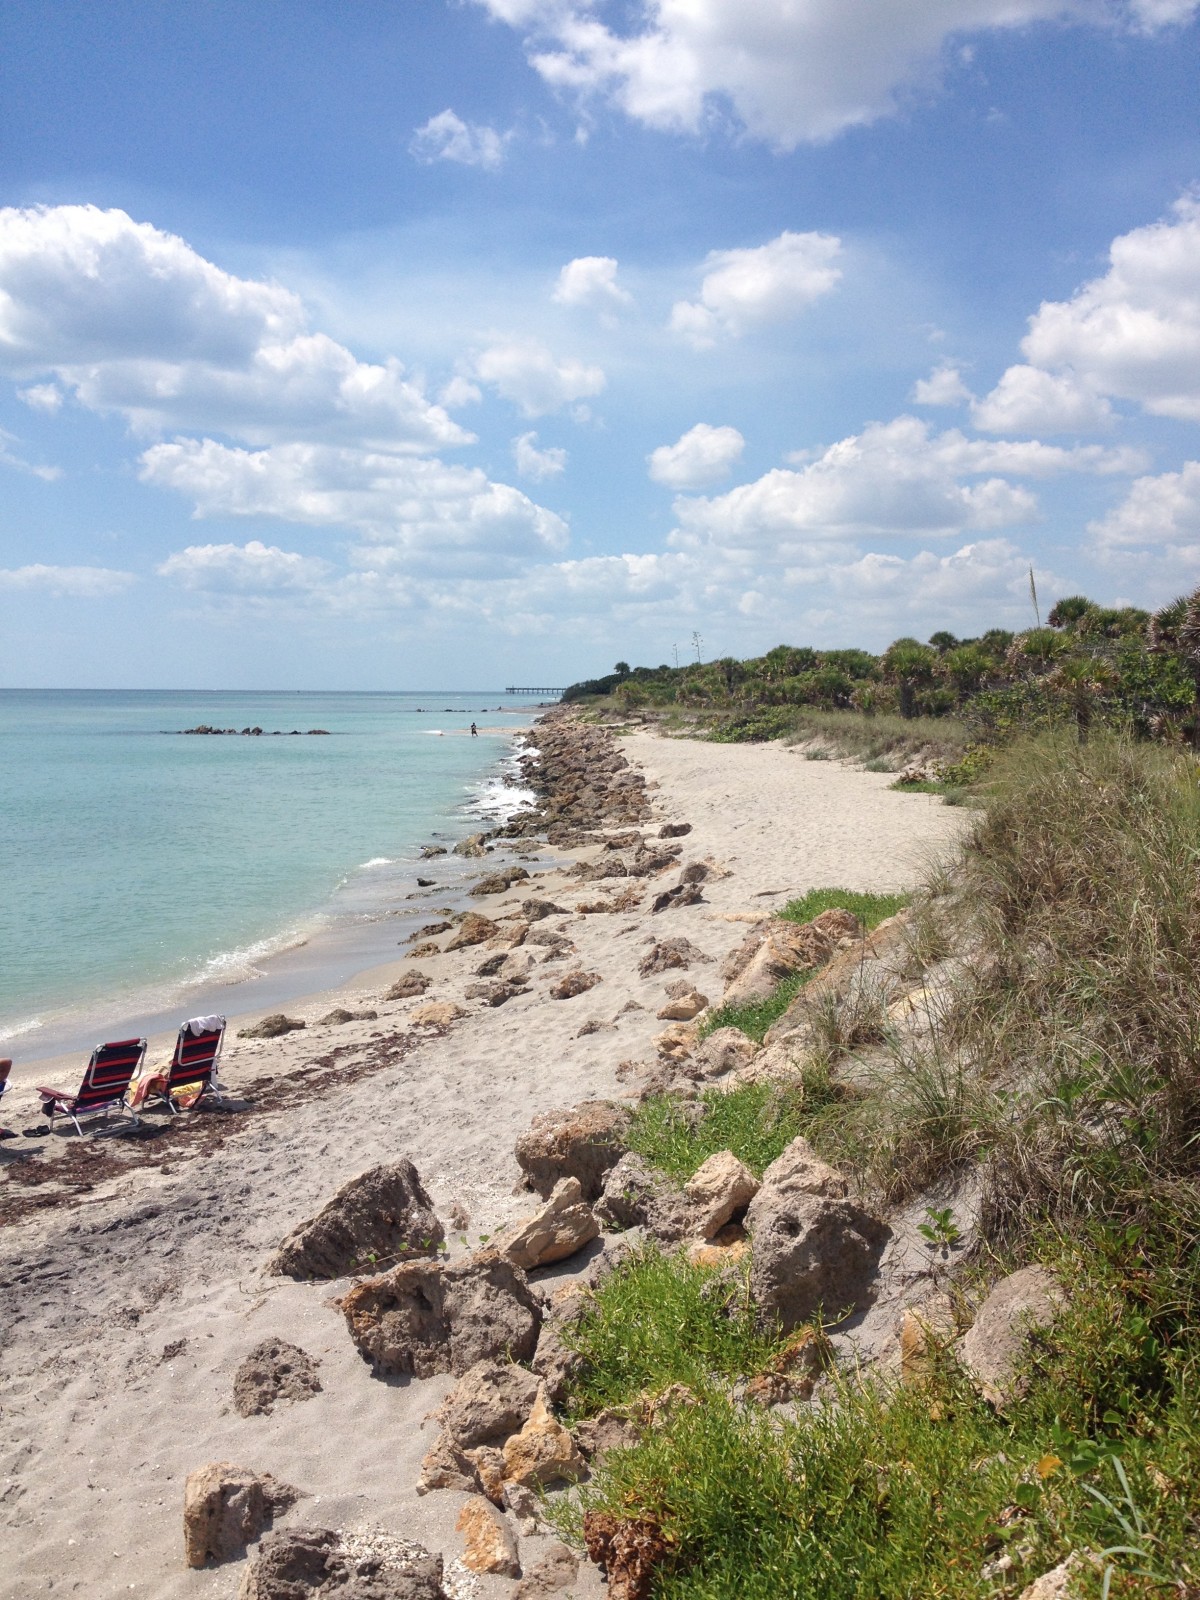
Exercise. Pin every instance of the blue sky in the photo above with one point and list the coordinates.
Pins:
(464, 342)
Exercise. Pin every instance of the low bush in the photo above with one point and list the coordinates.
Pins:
(757, 1121)
(870, 909)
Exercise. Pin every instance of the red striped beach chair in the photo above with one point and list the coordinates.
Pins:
(193, 1071)
(105, 1086)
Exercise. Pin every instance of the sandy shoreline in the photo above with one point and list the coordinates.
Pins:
(100, 1426)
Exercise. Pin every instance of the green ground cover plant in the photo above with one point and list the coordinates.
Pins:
(870, 909)
(754, 1017)
(658, 1321)
(757, 1121)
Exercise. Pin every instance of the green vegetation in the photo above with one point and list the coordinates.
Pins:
(757, 1121)
(870, 909)
(1065, 1065)
(659, 1321)
(949, 700)
(756, 1016)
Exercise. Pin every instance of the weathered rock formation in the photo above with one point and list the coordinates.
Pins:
(379, 1216)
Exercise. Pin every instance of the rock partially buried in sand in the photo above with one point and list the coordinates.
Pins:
(473, 929)
(668, 953)
(684, 1004)
(320, 1564)
(472, 845)
(810, 1254)
(426, 1318)
(498, 882)
(225, 1508)
(725, 1050)
(409, 987)
(272, 1027)
(436, 1014)
(674, 830)
(381, 1215)
(678, 1041)
(340, 1015)
(538, 910)
(274, 1371)
(493, 1399)
(488, 1542)
(994, 1349)
(581, 1142)
(573, 983)
(561, 1228)
(637, 1195)
(554, 1573)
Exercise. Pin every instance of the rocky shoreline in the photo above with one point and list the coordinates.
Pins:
(485, 1322)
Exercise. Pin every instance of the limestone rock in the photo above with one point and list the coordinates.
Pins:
(319, 1564)
(472, 845)
(873, 958)
(429, 931)
(666, 954)
(725, 1050)
(719, 1187)
(382, 1214)
(495, 993)
(557, 1569)
(272, 1027)
(674, 830)
(1000, 1337)
(573, 983)
(408, 987)
(629, 1549)
(678, 1041)
(273, 1371)
(446, 1466)
(493, 1399)
(726, 1247)
(543, 1452)
(489, 1471)
(225, 1508)
(607, 1430)
(436, 1014)
(554, 1361)
(498, 882)
(683, 894)
(582, 1142)
(810, 1253)
(638, 1195)
(429, 851)
(473, 929)
(488, 1543)
(561, 1228)
(800, 1170)
(1060, 1583)
(539, 910)
(524, 1505)
(684, 1006)
(793, 1372)
(425, 1318)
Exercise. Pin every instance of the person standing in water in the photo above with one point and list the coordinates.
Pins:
(474, 731)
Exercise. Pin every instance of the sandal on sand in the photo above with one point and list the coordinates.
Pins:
(40, 1132)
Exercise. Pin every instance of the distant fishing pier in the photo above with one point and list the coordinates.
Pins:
(518, 689)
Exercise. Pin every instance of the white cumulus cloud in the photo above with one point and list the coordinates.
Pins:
(591, 282)
(746, 288)
(132, 320)
(943, 387)
(76, 582)
(786, 71)
(1132, 334)
(253, 568)
(1162, 510)
(402, 509)
(701, 456)
(447, 137)
(534, 463)
(527, 373)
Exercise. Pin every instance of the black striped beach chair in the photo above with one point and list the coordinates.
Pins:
(105, 1086)
(193, 1071)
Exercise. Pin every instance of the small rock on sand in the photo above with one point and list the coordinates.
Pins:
(488, 1542)
(272, 1027)
(380, 1215)
(273, 1371)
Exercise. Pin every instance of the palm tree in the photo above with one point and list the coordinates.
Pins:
(1175, 630)
(909, 665)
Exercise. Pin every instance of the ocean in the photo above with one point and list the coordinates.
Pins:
(148, 874)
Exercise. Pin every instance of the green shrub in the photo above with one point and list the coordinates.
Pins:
(757, 1121)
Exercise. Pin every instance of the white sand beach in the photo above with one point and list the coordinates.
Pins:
(130, 1299)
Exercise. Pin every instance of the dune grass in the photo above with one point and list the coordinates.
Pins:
(870, 909)
(757, 1121)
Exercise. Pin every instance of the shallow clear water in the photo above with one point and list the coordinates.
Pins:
(140, 864)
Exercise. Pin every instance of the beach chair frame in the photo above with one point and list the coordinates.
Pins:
(194, 1061)
(105, 1087)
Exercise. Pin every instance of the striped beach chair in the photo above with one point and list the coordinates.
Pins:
(5, 1086)
(193, 1071)
(105, 1086)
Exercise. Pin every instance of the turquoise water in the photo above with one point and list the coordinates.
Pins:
(142, 867)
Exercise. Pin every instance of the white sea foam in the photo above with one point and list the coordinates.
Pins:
(376, 861)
